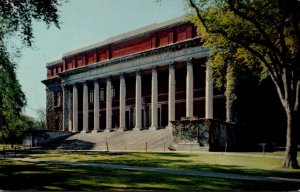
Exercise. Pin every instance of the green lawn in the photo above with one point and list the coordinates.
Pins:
(264, 166)
(15, 175)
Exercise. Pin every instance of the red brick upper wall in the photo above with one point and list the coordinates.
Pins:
(152, 40)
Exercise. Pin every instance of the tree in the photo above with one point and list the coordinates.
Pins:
(41, 118)
(12, 99)
(17, 128)
(16, 18)
(261, 36)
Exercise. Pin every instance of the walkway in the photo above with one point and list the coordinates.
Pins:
(166, 170)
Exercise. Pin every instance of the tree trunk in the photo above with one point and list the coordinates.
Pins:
(230, 95)
(290, 158)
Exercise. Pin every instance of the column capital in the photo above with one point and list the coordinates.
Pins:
(138, 72)
(63, 84)
(190, 60)
(172, 65)
(122, 75)
(95, 79)
(85, 82)
(154, 69)
(108, 78)
(74, 85)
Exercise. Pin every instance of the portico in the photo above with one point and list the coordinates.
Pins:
(142, 111)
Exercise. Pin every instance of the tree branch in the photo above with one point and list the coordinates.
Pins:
(268, 43)
(239, 41)
(294, 6)
(235, 40)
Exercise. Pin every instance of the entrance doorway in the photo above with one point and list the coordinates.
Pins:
(129, 118)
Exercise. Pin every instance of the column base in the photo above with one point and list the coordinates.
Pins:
(95, 131)
(136, 129)
(170, 126)
(152, 128)
(75, 131)
(106, 130)
(84, 131)
(120, 129)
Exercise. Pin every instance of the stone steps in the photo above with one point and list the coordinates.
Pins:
(144, 140)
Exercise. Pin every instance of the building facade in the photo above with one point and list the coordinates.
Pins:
(138, 80)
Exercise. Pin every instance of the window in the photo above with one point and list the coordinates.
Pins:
(91, 96)
(56, 98)
(102, 94)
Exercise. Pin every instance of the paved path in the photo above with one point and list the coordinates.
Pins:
(166, 170)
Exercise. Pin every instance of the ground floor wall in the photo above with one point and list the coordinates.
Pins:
(54, 115)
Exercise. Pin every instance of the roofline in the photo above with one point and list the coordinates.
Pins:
(53, 63)
(129, 35)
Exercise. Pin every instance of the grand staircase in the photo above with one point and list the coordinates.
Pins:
(144, 140)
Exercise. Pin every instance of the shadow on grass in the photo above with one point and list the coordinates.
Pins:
(167, 160)
(76, 144)
(16, 175)
(173, 160)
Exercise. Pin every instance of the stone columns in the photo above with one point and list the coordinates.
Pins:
(209, 94)
(171, 94)
(75, 108)
(70, 111)
(189, 89)
(65, 108)
(138, 102)
(96, 106)
(122, 103)
(154, 99)
(85, 111)
(108, 106)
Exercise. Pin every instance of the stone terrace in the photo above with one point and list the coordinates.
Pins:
(144, 140)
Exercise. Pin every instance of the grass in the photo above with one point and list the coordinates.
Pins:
(241, 164)
(8, 146)
(15, 175)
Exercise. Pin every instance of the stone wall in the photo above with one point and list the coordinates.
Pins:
(54, 112)
(35, 138)
(214, 134)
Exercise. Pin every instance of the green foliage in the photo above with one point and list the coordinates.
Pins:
(12, 99)
(16, 18)
(248, 35)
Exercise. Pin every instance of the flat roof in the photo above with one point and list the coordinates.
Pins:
(128, 35)
(53, 63)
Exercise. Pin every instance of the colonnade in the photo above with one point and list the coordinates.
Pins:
(73, 119)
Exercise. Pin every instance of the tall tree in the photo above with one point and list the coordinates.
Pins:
(12, 99)
(41, 118)
(258, 35)
(16, 18)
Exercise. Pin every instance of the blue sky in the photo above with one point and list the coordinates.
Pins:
(84, 22)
